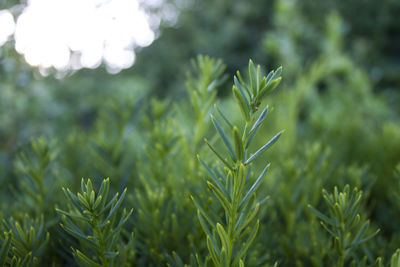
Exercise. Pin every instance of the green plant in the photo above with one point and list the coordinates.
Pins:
(206, 76)
(96, 221)
(395, 260)
(230, 236)
(348, 230)
(164, 231)
(5, 246)
(27, 240)
(157, 196)
(36, 166)
(150, 145)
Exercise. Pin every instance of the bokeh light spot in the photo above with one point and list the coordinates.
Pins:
(7, 26)
(74, 34)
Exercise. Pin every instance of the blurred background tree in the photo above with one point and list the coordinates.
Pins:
(280, 32)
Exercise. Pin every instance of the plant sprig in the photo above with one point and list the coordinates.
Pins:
(346, 227)
(102, 219)
(229, 239)
(25, 242)
(202, 82)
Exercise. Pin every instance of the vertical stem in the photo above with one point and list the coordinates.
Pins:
(235, 202)
(97, 231)
(342, 251)
(232, 218)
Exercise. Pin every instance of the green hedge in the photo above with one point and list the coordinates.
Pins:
(191, 182)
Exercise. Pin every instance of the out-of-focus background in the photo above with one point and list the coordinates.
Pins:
(59, 59)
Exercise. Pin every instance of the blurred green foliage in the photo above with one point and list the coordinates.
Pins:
(338, 104)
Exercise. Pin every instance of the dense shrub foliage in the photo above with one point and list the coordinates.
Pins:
(190, 182)
(295, 166)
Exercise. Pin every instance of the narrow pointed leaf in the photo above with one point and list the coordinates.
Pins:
(203, 223)
(4, 249)
(224, 138)
(218, 155)
(114, 209)
(269, 76)
(263, 148)
(238, 143)
(223, 117)
(322, 216)
(212, 174)
(258, 76)
(73, 215)
(244, 85)
(223, 199)
(254, 187)
(366, 238)
(76, 234)
(74, 199)
(360, 233)
(328, 230)
(260, 119)
(226, 243)
(239, 182)
(268, 88)
(242, 102)
(251, 136)
(277, 73)
(109, 204)
(237, 84)
(84, 259)
(212, 251)
(200, 208)
(252, 75)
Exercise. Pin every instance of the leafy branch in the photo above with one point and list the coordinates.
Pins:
(229, 239)
(102, 220)
(202, 83)
(25, 242)
(344, 224)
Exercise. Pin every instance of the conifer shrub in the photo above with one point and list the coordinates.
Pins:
(202, 180)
